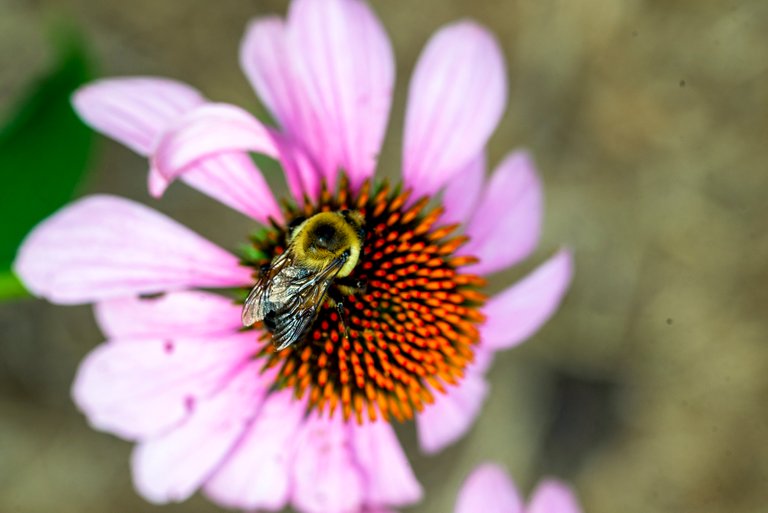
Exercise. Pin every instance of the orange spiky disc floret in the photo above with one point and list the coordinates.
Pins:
(410, 332)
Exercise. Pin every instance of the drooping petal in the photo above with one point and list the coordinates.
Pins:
(518, 312)
(103, 247)
(206, 131)
(452, 414)
(389, 478)
(173, 314)
(463, 191)
(506, 225)
(234, 180)
(553, 497)
(325, 476)
(138, 388)
(171, 467)
(135, 110)
(138, 111)
(488, 490)
(346, 69)
(457, 96)
(256, 475)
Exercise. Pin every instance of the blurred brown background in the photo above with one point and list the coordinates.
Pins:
(649, 121)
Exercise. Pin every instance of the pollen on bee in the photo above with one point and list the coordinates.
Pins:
(405, 334)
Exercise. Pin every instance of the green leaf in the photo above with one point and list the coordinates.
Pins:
(11, 287)
(44, 149)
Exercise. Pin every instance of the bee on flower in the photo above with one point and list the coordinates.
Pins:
(321, 251)
(363, 302)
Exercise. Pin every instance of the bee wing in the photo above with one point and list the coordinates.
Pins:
(256, 304)
(289, 328)
(292, 321)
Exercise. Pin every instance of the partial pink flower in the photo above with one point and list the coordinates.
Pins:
(490, 490)
(213, 406)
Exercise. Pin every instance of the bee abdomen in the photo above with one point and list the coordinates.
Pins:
(270, 321)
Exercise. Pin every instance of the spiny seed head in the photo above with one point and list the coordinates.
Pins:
(409, 332)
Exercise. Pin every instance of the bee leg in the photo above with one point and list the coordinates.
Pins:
(337, 300)
(340, 310)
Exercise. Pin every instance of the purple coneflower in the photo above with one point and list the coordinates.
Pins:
(490, 490)
(213, 405)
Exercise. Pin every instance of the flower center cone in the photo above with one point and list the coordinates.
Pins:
(408, 333)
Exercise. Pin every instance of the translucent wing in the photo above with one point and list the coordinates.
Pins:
(287, 297)
(260, 300)
(289, 324)
(288, 327)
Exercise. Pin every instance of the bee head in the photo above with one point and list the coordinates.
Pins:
(326, 236)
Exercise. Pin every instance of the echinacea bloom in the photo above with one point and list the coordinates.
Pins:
(488, 489)
(212, 405)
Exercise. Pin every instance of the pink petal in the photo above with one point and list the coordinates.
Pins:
(269, 65)
(457, 96)
(346, 71)
(256, 475)
(488, 490)
(452, 414)
(462, 192)
(207, 131)
(266, 61)
(138, 388)
(172, 466)
(506, 225)
(156, 183)
(483, 358)
(388, 475)
(553, 497)
(102, 247)
(137, 110)
(325, 476)
(232, 179)
(300, 173)
(518, 312)
(173, 314)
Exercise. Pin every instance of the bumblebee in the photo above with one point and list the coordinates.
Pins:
(321, 250)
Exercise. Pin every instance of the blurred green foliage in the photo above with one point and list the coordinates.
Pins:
(44, 152)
